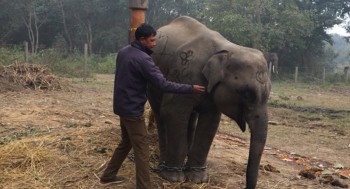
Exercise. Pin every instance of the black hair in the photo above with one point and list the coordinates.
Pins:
(145, 30)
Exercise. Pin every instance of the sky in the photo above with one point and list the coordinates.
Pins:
(338, 30)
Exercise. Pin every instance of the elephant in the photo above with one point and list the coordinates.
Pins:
(237, 85)
(272, 58)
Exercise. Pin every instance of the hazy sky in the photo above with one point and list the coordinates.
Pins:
(338, 30)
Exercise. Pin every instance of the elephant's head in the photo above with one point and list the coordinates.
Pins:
(240, 87)
(272, 59)
(237, 81)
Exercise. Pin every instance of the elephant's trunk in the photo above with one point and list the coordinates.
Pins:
(258, 126)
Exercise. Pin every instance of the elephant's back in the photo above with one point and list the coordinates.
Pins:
(183, 26)
(188, 25)
(180, 31)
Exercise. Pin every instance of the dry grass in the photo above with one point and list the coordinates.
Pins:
(29, 76)
(61, 151)
(56, 161)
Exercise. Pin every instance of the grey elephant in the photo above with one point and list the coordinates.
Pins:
(272, 59)
(237, 85)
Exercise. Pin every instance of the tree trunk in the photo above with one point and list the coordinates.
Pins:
(90, 36)
(28, 24)
(67, 35)
(257, 22)
(36, 43)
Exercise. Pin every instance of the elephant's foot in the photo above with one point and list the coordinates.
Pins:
(173, 176)
(196, 175)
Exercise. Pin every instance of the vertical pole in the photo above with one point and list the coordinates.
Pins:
(86, 59)
(26, 52)
(270, 68)
(324, 75)
(296, 75)
(137, 17)
(346, 73)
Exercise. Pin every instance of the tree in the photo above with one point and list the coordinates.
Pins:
(34, 14)
(102, 24)
(324, 15)
(67, 33)
(295, 29)
(161, 12)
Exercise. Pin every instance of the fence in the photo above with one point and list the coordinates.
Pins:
(312, 75)
(296, 74)
(76, 64)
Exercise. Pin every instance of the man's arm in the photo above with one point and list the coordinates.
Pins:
(156, 78)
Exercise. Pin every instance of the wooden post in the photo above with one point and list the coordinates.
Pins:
(138, 9)
(346, 74)
(270, 68)
(296, 75)
(86, 59)
(324, 75)
(26, 52)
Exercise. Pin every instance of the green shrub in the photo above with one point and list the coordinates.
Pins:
(102, 64)
(10, 55)
(61, 64)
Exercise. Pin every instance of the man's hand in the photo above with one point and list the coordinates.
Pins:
(198, 89)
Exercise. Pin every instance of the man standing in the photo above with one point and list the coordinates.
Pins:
(135, 68)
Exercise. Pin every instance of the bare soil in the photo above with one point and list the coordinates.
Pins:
(62, 139)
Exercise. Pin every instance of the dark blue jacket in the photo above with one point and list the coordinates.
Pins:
(135, 68)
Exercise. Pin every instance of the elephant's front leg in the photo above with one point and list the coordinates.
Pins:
(175, 117)
(207, 125)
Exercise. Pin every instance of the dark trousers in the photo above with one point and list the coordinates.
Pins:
(134, 135)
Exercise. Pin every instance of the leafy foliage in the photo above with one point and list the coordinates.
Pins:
(295, 29)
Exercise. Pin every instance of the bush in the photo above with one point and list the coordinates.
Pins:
(62, 64)
(102, 64)
(10, 55)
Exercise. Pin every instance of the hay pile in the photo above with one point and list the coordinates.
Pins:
(19, 76)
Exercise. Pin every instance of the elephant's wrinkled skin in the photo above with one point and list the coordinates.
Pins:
(237, 85)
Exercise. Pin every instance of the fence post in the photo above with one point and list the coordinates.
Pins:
(86, 59)
(296, 75)
(324, 75)
(26, 52)
(346, 72)
(270, 68)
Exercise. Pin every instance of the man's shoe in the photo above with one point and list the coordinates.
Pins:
(111, 180)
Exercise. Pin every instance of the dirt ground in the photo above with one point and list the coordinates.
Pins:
(61, 139)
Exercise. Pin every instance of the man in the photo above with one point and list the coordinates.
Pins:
(135, 68)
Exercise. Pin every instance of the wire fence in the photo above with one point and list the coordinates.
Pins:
(320, 75)
(296, 74)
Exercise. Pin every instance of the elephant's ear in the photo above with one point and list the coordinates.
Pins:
(213, 71)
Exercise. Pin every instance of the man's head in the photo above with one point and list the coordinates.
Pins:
(146, 34)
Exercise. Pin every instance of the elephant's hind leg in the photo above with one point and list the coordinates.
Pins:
(208, 123)
(175, 116)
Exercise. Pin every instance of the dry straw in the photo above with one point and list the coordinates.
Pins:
(30, 76)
